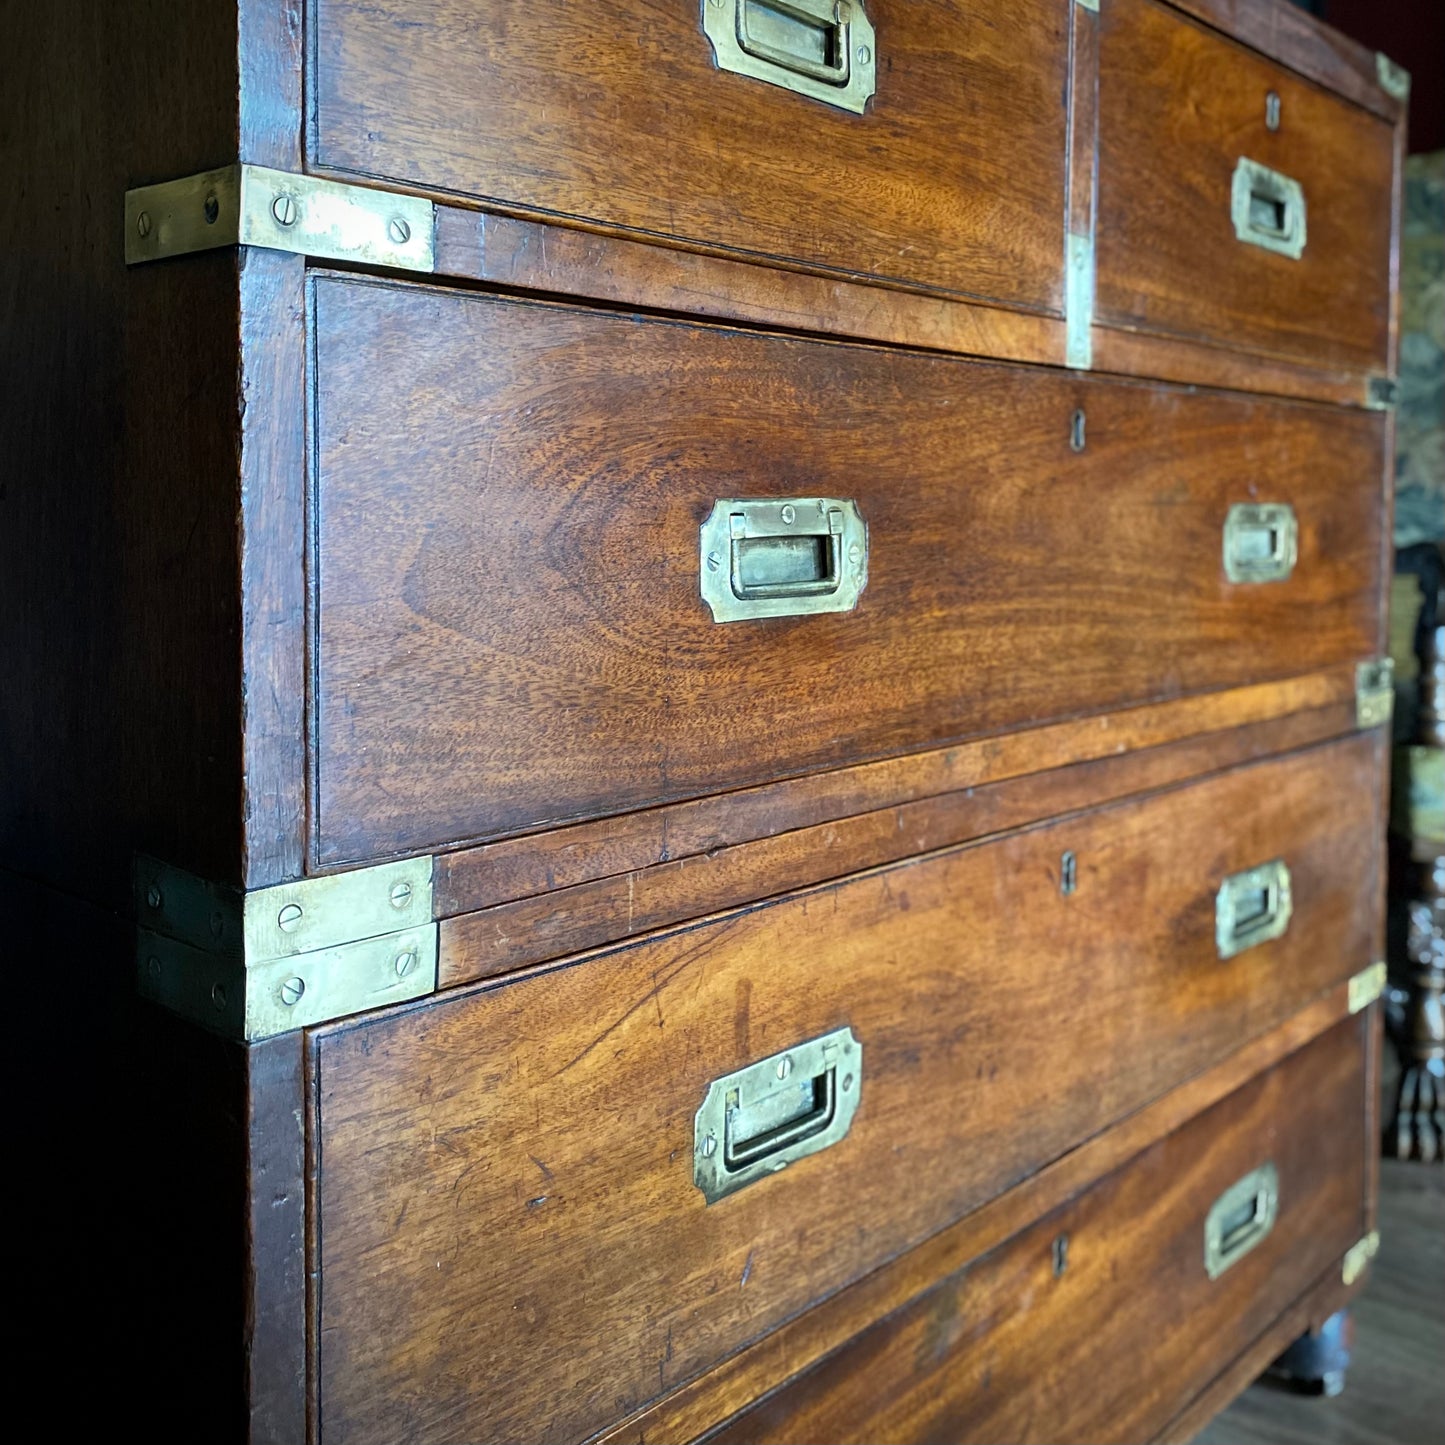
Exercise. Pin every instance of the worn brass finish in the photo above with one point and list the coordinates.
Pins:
(1240, 1219)
(1268, 209)
(1366, 986)
(253, 206)
(1374, 692)
(261, 963)
(1261, 542)
(1252, 907)
(784, 557)
(1394, 78)
(222, 993)
(1358, 1256)
(760, 1119)
(1079, 303)
(1381, 393)
(824, 49)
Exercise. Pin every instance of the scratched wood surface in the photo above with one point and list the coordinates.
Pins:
(510, 630)
(1022, 1346)
(531, 1144)
(616, 114)
(1178, 106)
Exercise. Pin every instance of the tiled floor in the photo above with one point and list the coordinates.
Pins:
(1395, 1390)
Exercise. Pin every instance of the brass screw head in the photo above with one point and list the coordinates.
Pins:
(154, 896)
(284, 209)
(405, 962)
(400, 895)
(709, 1146)
(785, 1066)
(292, 990)
(143, 223)
(289, 918)
(399, 230)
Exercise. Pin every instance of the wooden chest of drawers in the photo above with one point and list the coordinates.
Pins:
(704, 680)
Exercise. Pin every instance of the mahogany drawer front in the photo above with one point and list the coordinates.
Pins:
(510, 1238)
(511, 630)
(1179, 107)
(617, 115)
(1026, 1344)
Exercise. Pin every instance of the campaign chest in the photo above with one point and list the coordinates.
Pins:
(710, 678)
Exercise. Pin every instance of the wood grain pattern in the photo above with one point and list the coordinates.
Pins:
(567, 920)
(474, 878)
(508, 502)
(587, 1078)
(809, 1337)
(1287, 34)
(548, 108)
(1179, 105)
(1013, 1348)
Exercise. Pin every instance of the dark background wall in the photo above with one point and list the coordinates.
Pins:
(1411, 32)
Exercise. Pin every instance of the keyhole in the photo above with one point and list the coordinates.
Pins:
(1077, 437)
(1061, 1255)
(1068, 874)
(1271, 111)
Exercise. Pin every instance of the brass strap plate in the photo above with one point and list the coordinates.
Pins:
(253, 206)
(1252, 907)
(254, 964)
(762, 1118)
(1268, 209)
(1374, 692)
(1079, 303)
(1366, 986)
(1358, 1257)
(823, 49)
(1394, 78)
(1240, 1219)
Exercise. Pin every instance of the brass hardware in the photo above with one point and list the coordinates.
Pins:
(1358, 1256)
(1061, 1255)
(1272, 110)
(1374, 692)
(222, 993)
(1079, 303)
(1261, 542)
(252, 206)
(824, 49)
(782, 558)
(1078, 431)
(1088, 5)
(1268, 209)
(760, 1119)
(1381, 393)
(1240, 1219)
(1252, 907)
(1366, 986)
(256, 964)
(1068, 874)
(1394, 79)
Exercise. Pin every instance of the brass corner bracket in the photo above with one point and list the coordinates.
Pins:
(1374, 692)
(244, 205)
(254, 965)
(1366, 986)
(1358, 1256)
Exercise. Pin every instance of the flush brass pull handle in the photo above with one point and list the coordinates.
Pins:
(1240, 1219)
(760, 1119)
(823, 49)
(1252, 907)
(1261, 542)
(1268, 209)
(782, 558)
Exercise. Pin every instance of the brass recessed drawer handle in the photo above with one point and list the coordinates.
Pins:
(1240, 1219)
(782, 558)
(1252, 907)
(819, 48)
(1261, 542)
(760, 1119)
(1268, 209)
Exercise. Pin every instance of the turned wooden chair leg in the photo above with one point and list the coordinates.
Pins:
(1316, 1363)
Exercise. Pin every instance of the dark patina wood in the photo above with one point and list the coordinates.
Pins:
(556, 1113)
(1178, 106)
(510, 631)
(1025, 1344)
(545, 108)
